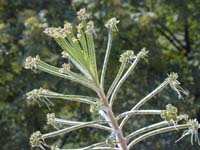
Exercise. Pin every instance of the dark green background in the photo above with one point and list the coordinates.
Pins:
(172, 36)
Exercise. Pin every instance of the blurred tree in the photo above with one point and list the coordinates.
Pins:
(168, 29)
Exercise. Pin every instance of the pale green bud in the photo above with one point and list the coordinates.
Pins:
(81, 14)
(65, 68)
(56, 32)
(31, 62)
(127, 56)
(112, 24)
(51, 119)
(35, 139)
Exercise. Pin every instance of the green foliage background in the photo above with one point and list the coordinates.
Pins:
(169, 29)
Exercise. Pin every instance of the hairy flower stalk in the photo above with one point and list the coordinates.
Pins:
(78, 47)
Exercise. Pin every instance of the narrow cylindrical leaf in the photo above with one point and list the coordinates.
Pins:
(71, 123)
(105, 63)
(139, 112)
(69, 129)
(116, 80)
(155, 132)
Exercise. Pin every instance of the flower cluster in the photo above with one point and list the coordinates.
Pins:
(193, 130)
(65, 54)
(175, 84)
(35, 139)
(170, 113)
(51, 119)
(143, 53)
(68, 27)
(31, 63)
(56, 32)
(65, 68)
(39, 95)
(81, 14)
(90, 27)
(36, 93)
(112, 24)
(127, 56)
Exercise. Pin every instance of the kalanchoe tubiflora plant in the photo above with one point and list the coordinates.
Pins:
(79, 48)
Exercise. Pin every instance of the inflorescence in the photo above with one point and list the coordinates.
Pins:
(80, 50)
(31, 63)
(38, 95)
(193, 130)
(170, 114)
(112, 24)
(127, 56)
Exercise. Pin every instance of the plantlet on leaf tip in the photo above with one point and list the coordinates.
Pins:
(79, 48)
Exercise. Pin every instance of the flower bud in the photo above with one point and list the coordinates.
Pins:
(51, 119)
(81, 14)
(127, 56)
(30, 62)
(90, 27)
(79, 27)
(35, 139)
(65, 68)
(170, 113)
(112, 24)
(143, 53)
(56, 32)
(65, 54)
(68, 27)
(175, 84)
